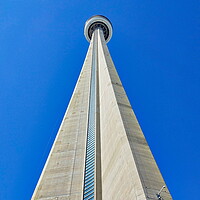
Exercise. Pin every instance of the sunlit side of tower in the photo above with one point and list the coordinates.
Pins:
(100, 151)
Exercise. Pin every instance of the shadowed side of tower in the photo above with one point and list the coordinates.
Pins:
(63, 174)
(100, 151)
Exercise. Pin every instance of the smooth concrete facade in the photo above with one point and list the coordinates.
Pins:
(129, 170)
(125, 167)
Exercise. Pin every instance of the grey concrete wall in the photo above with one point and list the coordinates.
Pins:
(129, 170)
(63, 174)
(125, 166)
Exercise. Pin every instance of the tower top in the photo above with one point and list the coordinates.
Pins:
(98, 21)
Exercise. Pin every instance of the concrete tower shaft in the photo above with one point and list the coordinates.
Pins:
(100, 151)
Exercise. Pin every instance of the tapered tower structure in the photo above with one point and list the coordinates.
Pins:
(100, 151)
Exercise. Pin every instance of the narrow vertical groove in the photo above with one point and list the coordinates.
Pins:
(98, 190)
(89, 177)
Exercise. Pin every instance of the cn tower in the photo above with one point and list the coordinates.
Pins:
(100, 151)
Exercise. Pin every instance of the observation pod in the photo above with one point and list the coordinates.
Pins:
(98, 21)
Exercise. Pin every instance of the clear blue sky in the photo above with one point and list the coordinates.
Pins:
(155, 47)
